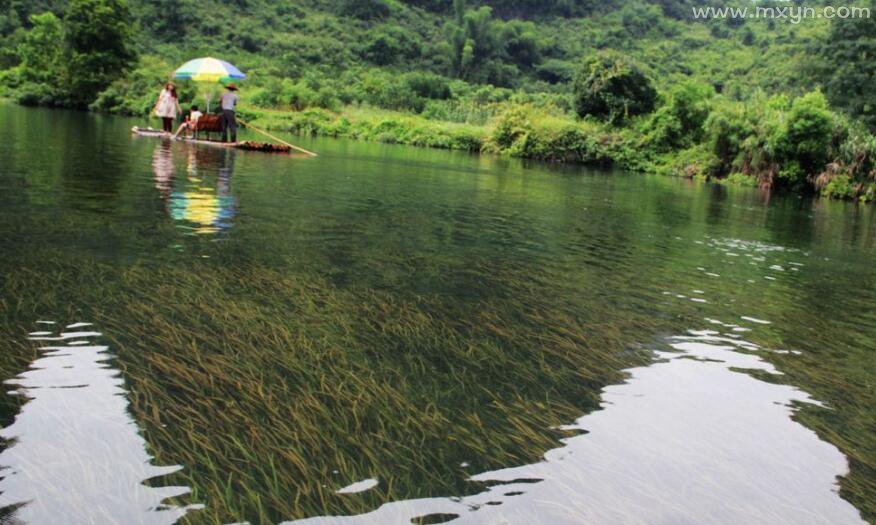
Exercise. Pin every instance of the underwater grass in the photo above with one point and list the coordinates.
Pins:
(274, 390)
(274, 379)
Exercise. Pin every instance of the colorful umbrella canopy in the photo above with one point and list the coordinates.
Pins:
(208, 69)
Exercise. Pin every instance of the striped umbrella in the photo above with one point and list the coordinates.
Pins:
(208, 69)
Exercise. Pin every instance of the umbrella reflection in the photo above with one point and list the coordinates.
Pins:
(202, 201)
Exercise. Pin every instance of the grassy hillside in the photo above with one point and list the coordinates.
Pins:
(502, 72)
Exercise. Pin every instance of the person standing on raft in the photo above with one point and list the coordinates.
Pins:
(167, 107)
(228, 101)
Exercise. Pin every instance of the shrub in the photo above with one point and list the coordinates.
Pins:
(38, 94)
(694, 162)
(858, 152)
(611, 86)
(466, 110)
(522, 130)
(381, 49)
(428, 85)
(840, 187)
(792, 174)
(679, 123)
(365, 9)
(741, 179)
(805, 139)
(555, 71)
(389, 44)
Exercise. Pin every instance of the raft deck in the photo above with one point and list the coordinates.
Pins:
(245, 145)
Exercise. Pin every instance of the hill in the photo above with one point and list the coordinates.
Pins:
(497, 76)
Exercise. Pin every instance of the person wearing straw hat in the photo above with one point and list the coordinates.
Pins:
(228, 102)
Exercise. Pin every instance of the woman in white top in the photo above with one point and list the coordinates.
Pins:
(167, 107)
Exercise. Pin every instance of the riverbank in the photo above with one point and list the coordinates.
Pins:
(525, 131)
(799, 146)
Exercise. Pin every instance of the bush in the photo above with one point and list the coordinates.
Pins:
(38, 94)
(466, 110)
(742, 136)
(858, 152)
(524, 131)
(741, 179)
(792, 175)
(696, 162)
(381, 49)
(295, 94)
(839, 187)
(389, 44)
(806, 136)
(383, 90)
(428, 85)
(679, 123)
(365, 9)
(611, 86)
(555, 71)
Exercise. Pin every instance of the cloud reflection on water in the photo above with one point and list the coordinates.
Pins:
(689, 439)
(74, 454)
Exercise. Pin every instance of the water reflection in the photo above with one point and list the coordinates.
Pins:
(201, 201)
(691, 439)
(75, 455)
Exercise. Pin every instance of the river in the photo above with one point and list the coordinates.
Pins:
(385, 334)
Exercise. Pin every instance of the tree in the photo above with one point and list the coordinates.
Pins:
(679, 123)
(365, 9)
(167, 19)
(41, 69)
(804, 140)
(849, 74)
(97, 46)
(486, 50)
(611, 86)
(40, 54)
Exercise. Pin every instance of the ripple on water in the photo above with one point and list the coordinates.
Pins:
(689, 439)
(76, 455)
(359, 486)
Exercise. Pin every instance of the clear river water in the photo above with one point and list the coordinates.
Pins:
(385, 334)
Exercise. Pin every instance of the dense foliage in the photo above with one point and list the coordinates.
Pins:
(849, 54)
(637, 84)
(611, 86)
(69, 61)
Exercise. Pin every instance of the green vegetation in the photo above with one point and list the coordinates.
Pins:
(638, 85)
(611, 87)
(69, 61)
(850, 56)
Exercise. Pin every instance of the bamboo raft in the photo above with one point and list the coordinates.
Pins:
(245, 145)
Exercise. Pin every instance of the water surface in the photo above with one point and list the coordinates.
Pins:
(390, 334)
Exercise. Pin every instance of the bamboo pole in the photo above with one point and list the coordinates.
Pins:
(281, 141)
